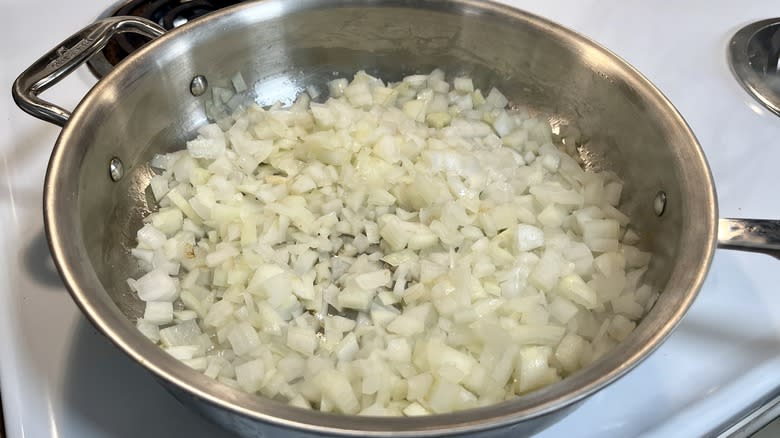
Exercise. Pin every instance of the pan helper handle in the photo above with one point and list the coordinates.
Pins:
(66, 57)
(754, 235)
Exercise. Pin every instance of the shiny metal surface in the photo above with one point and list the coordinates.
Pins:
(76, 50)
(116, 170)
(763, 412)
(199, 85)
(659, 203)
(753, 56)
(145, 107)
(754, 235)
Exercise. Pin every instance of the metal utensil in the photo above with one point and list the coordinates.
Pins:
(753, 54)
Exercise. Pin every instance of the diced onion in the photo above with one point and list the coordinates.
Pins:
(409, 248)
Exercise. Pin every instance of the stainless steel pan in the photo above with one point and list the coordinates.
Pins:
(95, 189)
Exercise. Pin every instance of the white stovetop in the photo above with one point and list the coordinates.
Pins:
(59, 378)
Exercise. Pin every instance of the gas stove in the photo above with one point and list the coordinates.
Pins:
(718, 370)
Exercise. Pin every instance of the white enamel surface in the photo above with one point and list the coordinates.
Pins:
(59, 378)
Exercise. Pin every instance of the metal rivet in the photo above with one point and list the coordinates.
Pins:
(199, 85)
(659, 204)
(116, 170)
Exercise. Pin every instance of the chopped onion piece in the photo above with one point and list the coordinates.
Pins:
(156, 285)
(159, 312)
(250, 375)
(406, 248)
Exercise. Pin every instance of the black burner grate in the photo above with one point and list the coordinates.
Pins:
(166, 13)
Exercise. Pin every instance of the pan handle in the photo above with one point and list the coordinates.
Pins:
(753, 235)
(66, 57)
